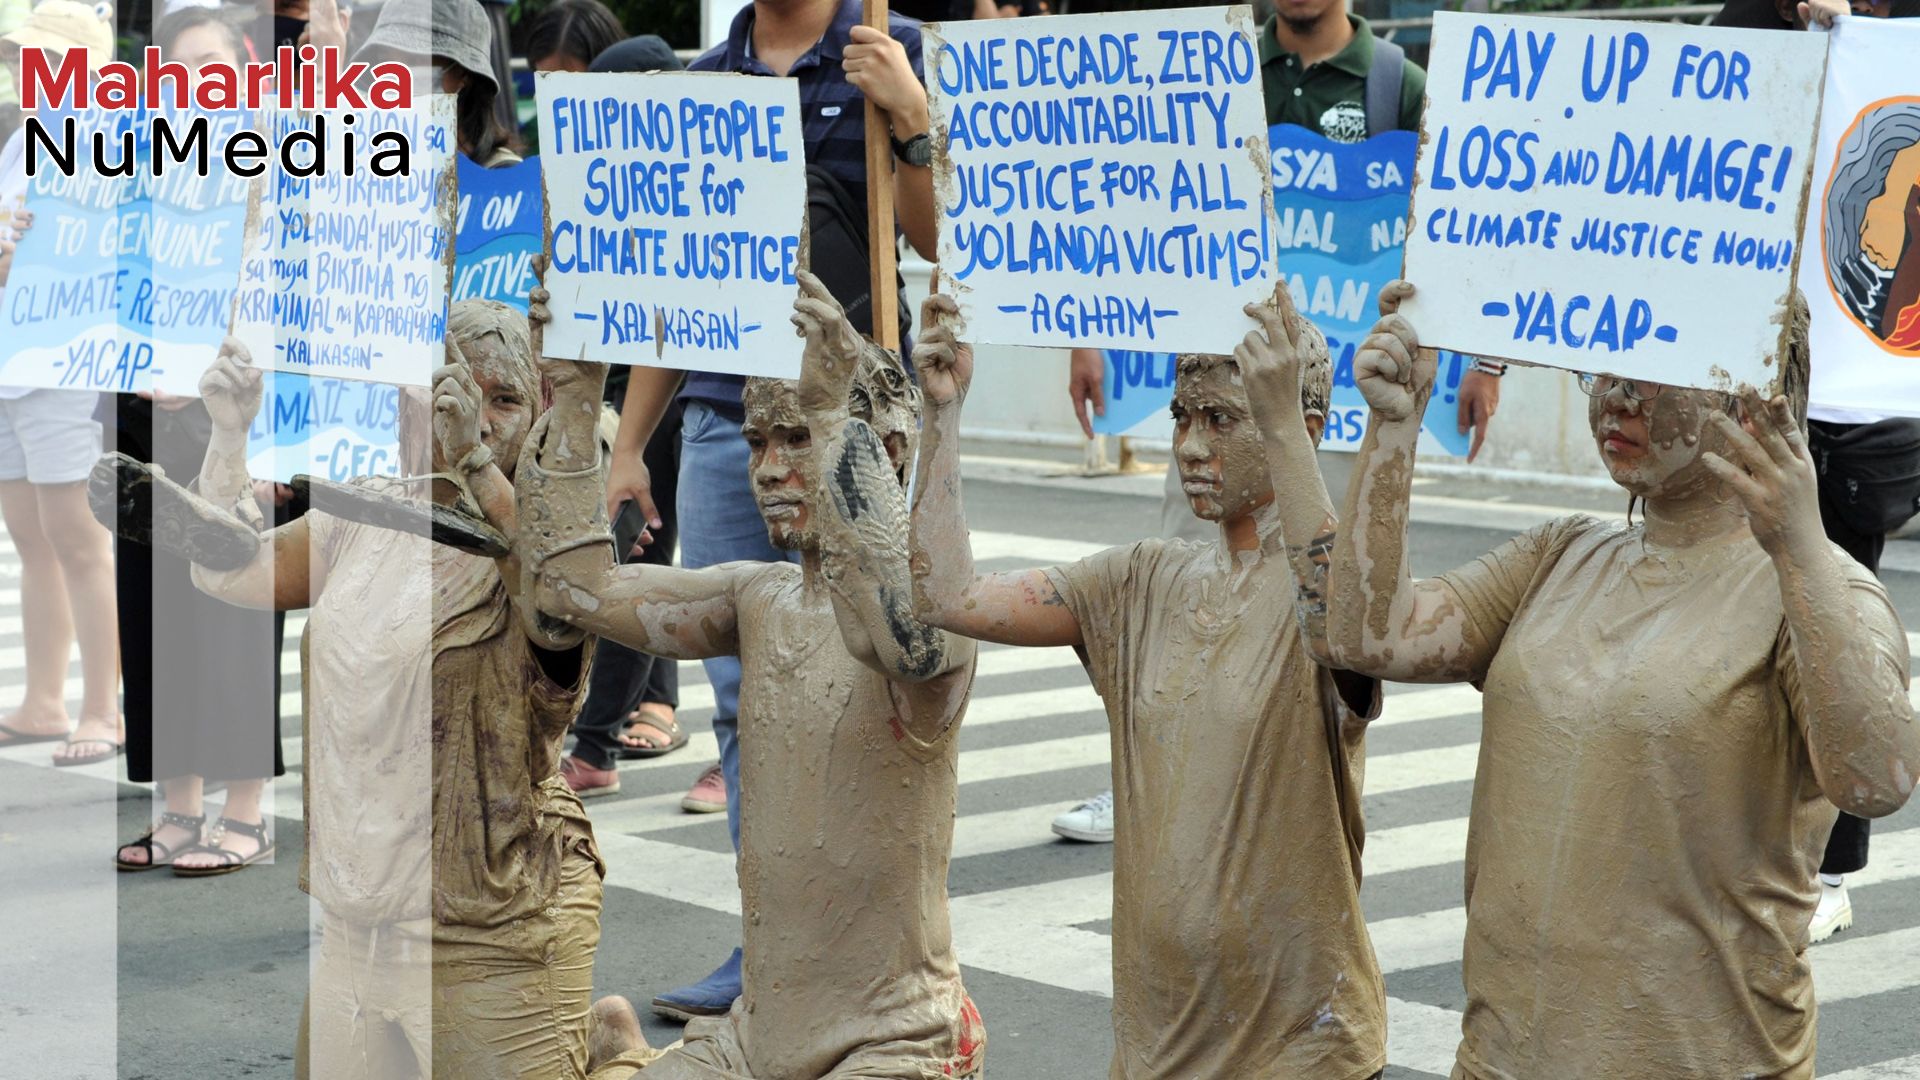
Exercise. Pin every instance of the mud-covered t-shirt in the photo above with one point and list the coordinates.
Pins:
(1646, 822)
(434, 735)
(1239, 949)
(846, 827)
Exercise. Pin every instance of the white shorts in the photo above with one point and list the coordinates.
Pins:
(49, 437)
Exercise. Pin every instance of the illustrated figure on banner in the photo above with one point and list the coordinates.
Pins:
(1872, 239)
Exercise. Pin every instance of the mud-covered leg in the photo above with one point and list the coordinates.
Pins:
(141, 505)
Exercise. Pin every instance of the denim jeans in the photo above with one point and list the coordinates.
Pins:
(720, 522)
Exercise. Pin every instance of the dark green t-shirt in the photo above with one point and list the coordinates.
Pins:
(1330, 97)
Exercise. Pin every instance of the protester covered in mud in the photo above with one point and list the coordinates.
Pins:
(1238, 943)
(1673, 711)
(849, 716)
(436, 705)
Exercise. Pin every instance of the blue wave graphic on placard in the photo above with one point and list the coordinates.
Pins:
(1307, 164)
(1351, 232)
(501, 270)
(1139, 384)
(1340, 297)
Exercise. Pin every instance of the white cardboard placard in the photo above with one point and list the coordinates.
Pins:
(1102, 181)
(675, 205)
(1613, 197)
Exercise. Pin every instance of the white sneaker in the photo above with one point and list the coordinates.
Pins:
(1834, 914)
(1091, 821)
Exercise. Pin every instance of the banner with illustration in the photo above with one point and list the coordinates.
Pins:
(1862, 268)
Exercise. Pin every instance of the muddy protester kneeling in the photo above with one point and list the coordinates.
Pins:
(457, 873)
(1673, 710)
(849, 718)
(1239, 949)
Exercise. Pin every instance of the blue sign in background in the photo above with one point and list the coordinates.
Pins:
(497, 232)
(1342, 210)
(72, 289)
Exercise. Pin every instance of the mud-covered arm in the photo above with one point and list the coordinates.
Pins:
(1018, 608)
(858, 509)
(565, 549)
(1845, 670)
(1270, 362)
(279, 576)
(1380, 621)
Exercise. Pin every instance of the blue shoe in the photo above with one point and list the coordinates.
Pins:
(711, 996)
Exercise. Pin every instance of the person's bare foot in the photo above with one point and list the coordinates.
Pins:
(93, 739)
(612, 1030)
(34, 722)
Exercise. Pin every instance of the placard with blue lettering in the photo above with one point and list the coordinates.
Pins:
(1102, 181)
(192, 230)
(72, 288)
(675, 209)
(496, 232)
(335, 429)
(1613, 197)
(347, 262)
(1862, 276)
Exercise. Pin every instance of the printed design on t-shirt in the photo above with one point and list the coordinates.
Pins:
(1345, 122)
(1870, 231)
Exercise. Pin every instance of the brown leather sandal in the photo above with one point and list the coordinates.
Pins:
(676, 735)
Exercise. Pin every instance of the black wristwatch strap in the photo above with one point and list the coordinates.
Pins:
(915, 151)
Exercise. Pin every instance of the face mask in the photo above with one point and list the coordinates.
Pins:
(287, 30)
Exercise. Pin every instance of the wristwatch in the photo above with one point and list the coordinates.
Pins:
(917, 151)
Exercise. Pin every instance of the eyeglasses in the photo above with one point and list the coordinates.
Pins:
(1602, 385)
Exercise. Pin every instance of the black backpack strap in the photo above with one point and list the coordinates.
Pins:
(1384, 80)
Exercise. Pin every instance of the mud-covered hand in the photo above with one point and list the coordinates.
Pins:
(832, 352)
(1086, 386)
(1393, 373)
(1772, 473)
(231, 387)
(456, 410)
(944, 364)
(1269, 362)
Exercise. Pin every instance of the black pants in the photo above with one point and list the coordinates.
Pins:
(625, 678)
(202, 698)
(1847, 845)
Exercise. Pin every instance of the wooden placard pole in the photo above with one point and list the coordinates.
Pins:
(883, 249)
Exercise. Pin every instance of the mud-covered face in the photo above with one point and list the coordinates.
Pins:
(782, 462)
(508, 404)
(1216, 444)
(1652, 448)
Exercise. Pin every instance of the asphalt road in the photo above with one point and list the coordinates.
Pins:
(205, 978)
